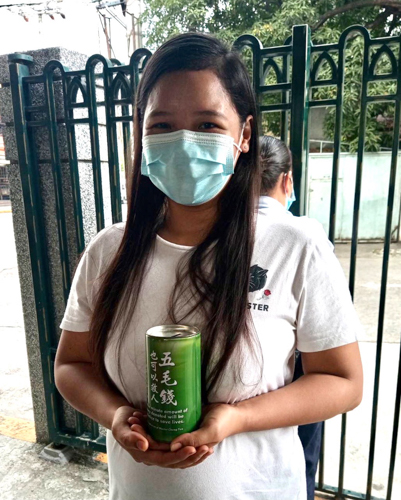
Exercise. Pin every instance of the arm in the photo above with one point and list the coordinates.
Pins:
(73, 370)
(78, 383)
(332, 384)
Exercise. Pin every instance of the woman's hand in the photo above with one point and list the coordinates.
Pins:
(129, 431)
(219, 422)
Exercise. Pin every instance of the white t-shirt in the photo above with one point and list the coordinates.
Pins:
(299, 299)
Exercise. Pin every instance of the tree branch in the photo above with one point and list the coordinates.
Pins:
(359, 4)
(380, 19)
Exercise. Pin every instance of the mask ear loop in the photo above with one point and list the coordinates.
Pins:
(284, 184)
(292, 182)
(237, 146)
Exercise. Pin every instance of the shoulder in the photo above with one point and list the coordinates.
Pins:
(105, 244)
(287, 237)
(302, 230)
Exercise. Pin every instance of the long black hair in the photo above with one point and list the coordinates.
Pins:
(275, 159)
(221, 295)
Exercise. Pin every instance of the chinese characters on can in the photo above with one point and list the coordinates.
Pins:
(166, 396)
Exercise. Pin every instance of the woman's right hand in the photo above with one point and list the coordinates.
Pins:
(128, 430)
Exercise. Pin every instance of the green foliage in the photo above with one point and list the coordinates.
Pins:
(379, 116)
(271, 22)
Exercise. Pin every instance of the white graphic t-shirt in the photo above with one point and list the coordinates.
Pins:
(298, 298)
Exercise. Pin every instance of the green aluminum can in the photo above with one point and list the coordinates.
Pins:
(173, 355)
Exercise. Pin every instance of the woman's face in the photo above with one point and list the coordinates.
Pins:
(196, 101)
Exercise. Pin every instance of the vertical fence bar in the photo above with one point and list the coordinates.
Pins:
(359, 166)
(321, 460)
(394, 438)
(94, 136)
(285, 100)
(337, 140)
(355, 225)
(300, 114)
(19, 68)
(121, 84)
(73, 161)
(57, 175)
(112, 148)
(126, 135)
(383, 289)
(332, 226)
(257, 66)
(340, 493)
(96, 159)
(141, 55)
(257, 77)
(128, 149)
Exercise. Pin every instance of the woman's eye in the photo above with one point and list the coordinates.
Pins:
(161, 125)
(208, 125)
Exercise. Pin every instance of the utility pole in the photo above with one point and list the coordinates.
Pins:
(106, 34)
(134, 36)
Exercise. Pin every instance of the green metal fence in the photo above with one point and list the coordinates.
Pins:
(296, 66)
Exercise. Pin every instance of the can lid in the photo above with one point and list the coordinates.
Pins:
(173, 331)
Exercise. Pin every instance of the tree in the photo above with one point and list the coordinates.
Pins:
(379, 116)
(271, 21)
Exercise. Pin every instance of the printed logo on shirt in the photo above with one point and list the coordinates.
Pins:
(257, 284)
(258, 278)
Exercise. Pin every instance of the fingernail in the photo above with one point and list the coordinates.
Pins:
(140, 445)
(176, 446)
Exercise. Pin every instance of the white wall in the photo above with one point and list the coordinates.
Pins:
(374, 193)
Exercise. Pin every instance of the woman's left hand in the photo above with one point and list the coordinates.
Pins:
(219, 422)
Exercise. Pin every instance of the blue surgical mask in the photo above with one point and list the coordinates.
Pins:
(292, 198)
(189, 167)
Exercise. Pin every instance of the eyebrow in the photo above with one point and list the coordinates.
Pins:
(152, 114)
(206, 112)
(211, 112)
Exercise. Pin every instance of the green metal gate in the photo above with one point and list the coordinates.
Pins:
(296, 66)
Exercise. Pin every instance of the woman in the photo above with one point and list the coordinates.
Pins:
(191, 252)
(277, 186)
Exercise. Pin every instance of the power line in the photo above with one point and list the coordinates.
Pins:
(22, 4)
(49, 8)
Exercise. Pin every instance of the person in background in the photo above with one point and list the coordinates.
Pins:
(277, 185)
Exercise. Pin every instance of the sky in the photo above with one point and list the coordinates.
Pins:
(80, 30)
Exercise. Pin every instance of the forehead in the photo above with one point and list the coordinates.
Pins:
(186, 91)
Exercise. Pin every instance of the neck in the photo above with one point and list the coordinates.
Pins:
(278, 194)
(188, 225)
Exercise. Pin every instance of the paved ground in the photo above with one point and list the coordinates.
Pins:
(25, 476)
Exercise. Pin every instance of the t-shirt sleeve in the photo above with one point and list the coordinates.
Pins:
(78, 311)
(326, 316)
